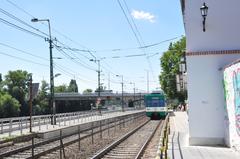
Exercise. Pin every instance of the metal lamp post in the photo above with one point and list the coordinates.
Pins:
(52, 104)
(30, 103)
(204, 12)
(122, 92)
(98, 71)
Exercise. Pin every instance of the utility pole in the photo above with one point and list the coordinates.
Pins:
(99, 76)
(122, 91)
(122, 96)
(30, 103)
(52, 103)
(99, 84)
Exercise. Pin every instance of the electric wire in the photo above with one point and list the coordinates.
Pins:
(74, 60)
(54, 29)
(39, 57)
(21, 9)
(134, 24)
(21, 21)
(57, 67)
(23, 59)
(21, 29)
(64, 46)
(11, 47)
(88, 50)
(126, 17)
(137, 38)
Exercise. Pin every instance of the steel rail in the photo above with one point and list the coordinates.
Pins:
(143, 148)
(114, 144)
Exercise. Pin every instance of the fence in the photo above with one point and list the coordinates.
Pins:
(8, 125)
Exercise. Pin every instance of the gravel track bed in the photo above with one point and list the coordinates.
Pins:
(129, 148)
(152, 148)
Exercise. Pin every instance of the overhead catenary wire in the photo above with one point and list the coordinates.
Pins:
(23, 59)
(21, 21)
(22, 51)
(134, 24)
(53, 28)
(19, 8)
(40, 32)
(126, 17)
(75, 50)
(74, 60)
(21, 28)
(58, 67)
(124, 49)
(28, 31)
(66, 47)
(88, 50)
(64, 68)
(139, 37)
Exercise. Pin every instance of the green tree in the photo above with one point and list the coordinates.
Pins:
(17, 87)
(61, 88)
(9, 106)
(87, 91)
(170, 68)
(73, 87)
(41, 102)
(1, 83)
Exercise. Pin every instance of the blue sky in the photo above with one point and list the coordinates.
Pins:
(94, 25)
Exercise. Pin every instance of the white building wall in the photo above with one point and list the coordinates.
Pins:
(206, 98)
(222, 25)
(205, 88)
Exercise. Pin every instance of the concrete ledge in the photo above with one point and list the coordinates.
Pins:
(65, 131)
(73, 129)
(203, 141)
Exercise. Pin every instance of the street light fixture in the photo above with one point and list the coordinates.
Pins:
(122, 91)
(57, 74)
(52, 104)
(204, 12)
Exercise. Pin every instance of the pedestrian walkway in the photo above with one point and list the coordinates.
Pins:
(179, 148)
(43, 127)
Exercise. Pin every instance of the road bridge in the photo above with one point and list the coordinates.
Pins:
(76, 102)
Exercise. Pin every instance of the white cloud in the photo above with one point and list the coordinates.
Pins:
(143, 15)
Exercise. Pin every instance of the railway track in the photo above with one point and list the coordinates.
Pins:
(42, 148)
(131, 145)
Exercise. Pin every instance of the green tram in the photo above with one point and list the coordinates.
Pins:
(155, 105)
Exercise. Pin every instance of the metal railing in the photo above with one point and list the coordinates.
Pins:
(9, 125)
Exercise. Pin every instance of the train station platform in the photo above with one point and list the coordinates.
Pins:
(179, 148)
(44, 127)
